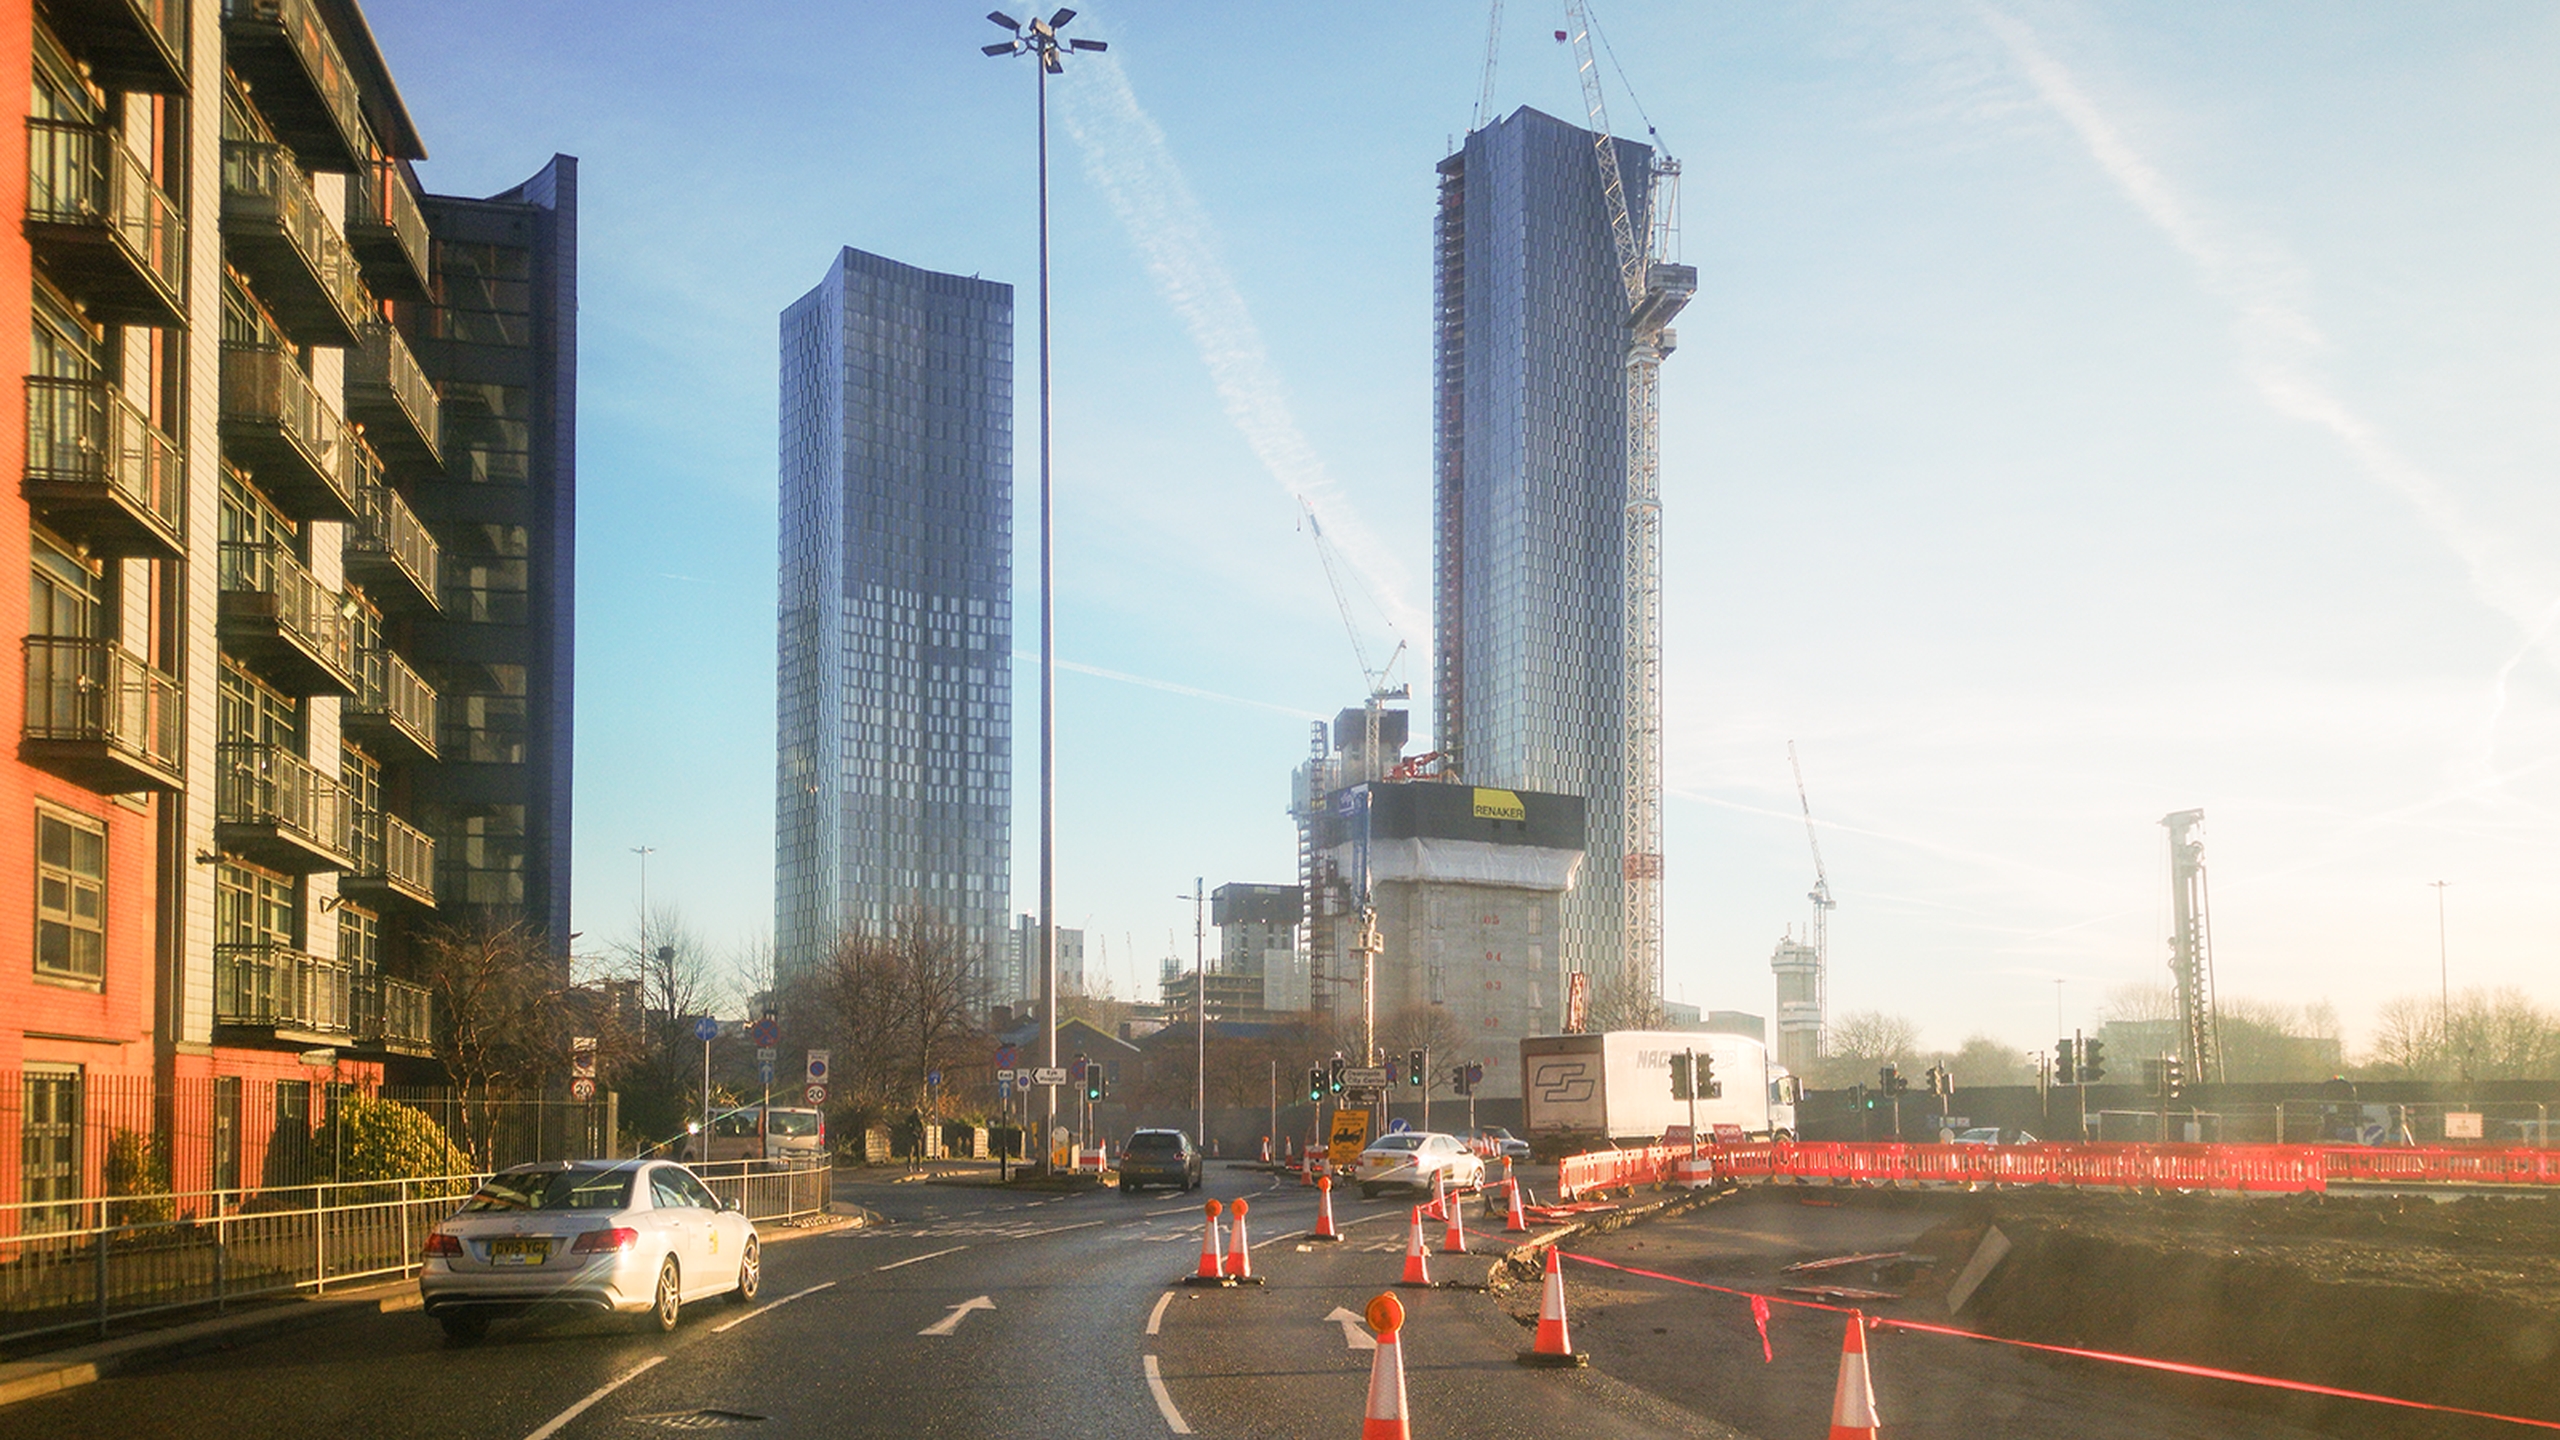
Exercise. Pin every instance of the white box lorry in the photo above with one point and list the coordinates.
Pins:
(1617, 1086)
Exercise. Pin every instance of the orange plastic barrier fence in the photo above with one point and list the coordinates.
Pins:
(2255, 1169)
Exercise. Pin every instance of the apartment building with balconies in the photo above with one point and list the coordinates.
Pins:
(295, 662)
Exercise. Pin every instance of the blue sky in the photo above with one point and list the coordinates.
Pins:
(2088, 411)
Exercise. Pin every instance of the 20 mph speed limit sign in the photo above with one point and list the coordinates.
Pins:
(814, 1095)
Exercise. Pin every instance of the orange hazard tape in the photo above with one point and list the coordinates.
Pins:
(2173, 1367)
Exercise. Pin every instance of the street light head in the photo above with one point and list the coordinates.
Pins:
(1049, 60)
(1089, 44)
(1001, 18)
(1004, 48)
(1059, 20)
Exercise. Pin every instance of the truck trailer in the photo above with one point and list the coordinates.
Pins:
(1616, 1086)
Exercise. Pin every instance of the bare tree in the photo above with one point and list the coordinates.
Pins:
(677, 985)
(901, 1003)
(500, 993)
(1427, 1028)
(2485, 1035)
(1859, 1042)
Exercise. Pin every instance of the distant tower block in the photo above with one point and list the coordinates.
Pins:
(1798, 967)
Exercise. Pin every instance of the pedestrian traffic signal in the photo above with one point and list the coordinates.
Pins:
(1709, 1087)
(2093, 1062)
(1333, 1075)
(1415, 1063)
(1680, 1089)
(2065, 1064)
(1315, 1083)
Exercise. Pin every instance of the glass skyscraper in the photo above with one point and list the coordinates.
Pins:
(1530, 489)
(895, 785)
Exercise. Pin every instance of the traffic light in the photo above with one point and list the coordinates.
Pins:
(1859, 1099)
(2173, 1079)
(1414, 1062)
(1680, 1089)
(1459, 1079)
(2065, 1064)
(1315, 1083)
(2093, 1062)
(1889, 1080)
(1709, 1087)
(1094, 1088)
(1942, 1083)
(1333, 1075)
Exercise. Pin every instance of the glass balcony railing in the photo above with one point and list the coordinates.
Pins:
(275, 231)
(104, 231)
(270, 984)
(282, 621)
(277, 427)
(392, 702)
(101, 472)
(273, 806)
(391, 394)
(393, 1013)
(304, 89)
(99, 716)
(388, 230)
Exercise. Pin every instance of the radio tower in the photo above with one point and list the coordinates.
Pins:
(1656, 290)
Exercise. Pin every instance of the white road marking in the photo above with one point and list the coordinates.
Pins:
(951, 1322)
(725, 1326)
(1056, 1229)
(608, 1387)
(1353, 1336)
(1183, 1210)
(1164, 1400)
(912, 1259)
(1155, 1317)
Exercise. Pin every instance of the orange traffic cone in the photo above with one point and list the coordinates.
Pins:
(1853, 1404)
(1385, 1418)
(1554, 1346)
(1439, 1195)
(1212, 1269)
(1324, 1212)
(1416, 1272)
(1518, 1224)
(1453, 1241)
(1239, 1255)
(1307, 1168)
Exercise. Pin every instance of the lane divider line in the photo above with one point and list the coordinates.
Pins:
(913, 1259)
(725, 1326)
(1155, 1317)
(1164, 1400)
(634, 1373)
(1057, 1229)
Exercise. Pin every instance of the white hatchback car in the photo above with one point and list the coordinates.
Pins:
(632, 1236)
(1416, 1158)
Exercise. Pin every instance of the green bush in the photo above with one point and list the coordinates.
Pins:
(374, 1139)
(134, 1167)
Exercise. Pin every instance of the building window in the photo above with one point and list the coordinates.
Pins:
(253, 907)
(49, 1146)
(226, 1132)
(71, 897)
(359, 939)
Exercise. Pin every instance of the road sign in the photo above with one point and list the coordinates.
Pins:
(1004, 1058)
(933, 1077)
(582, 1057)
(1049, 1075)
(1363, 1094)
(1350, 1137)
(1399, 1125)
(1022, 1077)
(706, 1029)
(582, 1088)
(764, 1070)
(1367, 1077)
(1004, 1084)
(817, 1067)
(814, 1095)
(767, 1031)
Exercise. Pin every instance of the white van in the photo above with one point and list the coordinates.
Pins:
(779, 1134)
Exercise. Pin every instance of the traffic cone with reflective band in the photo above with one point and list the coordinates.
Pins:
(1453, 1241)
(1324, 1212)
(1518, 1224)
(1307, 1169)
(1416, 1272)
(1212, 1269)
(1853, 1404)
(1266, 1149)
(1554, 1345)
(1239, 1255)
(1385, 1418)
(1439, 1195)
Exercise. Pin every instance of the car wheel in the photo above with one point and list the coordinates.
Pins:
(750, 1273)
(668, 1304)
(462, 1327)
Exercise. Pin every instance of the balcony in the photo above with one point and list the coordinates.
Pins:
(282, 48)
(388, 231)
(102, 229)
(391, 553)
(393, 710)
(284, 624)
(272, 807)
(393, 398)
(276, 426)
(276, 987)
(394, 1014)
(274, 231)
(394, 860)
(128, 44)
(100, 472)
(102, 719)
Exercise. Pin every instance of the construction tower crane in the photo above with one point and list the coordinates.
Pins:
(1823, 904)
(1483, 114)
(2191, 950)
(1803, 970)
(1656, 288)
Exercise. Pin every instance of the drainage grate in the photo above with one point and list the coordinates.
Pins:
(697, 1419)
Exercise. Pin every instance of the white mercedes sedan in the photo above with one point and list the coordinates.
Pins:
(1416, 1158)
(631, 1236)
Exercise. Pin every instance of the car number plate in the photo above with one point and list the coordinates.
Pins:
(519, 1252)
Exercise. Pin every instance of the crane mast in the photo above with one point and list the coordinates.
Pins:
(2191, 949)
(1656, 290)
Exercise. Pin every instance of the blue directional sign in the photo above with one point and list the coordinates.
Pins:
(706, 1028)
(1398, 1125)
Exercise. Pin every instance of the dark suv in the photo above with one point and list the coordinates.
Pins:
(1159, 1157)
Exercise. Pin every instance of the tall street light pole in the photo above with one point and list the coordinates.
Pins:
(2444, 975)
(1039, 39)
(644, 852)
(1200, 1004)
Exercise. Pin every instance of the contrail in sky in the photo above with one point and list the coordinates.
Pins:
(1126, 157)
(2274, 330)
(1170, 687)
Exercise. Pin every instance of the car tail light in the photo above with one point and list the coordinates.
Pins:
(440, 1243)
(599, 1242)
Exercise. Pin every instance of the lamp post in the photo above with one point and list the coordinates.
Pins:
(1200, 1006)
(2444, 976)
(1039, 39)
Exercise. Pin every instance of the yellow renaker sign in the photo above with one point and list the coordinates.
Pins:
(1350, 1137)
(1499, 805)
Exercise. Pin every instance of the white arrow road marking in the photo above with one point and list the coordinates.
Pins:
(1164, 1399)
(1354, 1337)
(951, 1322)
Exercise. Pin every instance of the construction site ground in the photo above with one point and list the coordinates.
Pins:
(2453, 1302)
